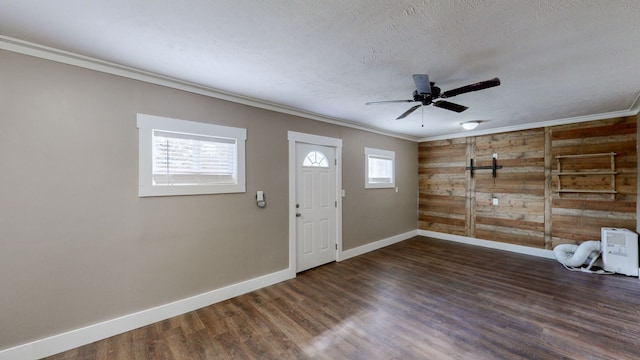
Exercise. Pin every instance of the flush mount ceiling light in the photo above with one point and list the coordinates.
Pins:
(470, 125)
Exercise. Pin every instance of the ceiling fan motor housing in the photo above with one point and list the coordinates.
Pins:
(426, 98)
(435, 91)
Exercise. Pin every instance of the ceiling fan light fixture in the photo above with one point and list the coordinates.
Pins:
(470, 125)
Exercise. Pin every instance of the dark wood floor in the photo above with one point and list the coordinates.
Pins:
(419, 299)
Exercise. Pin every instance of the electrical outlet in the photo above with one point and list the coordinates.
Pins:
(495, 155)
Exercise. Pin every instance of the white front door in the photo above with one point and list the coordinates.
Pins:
(316, 205)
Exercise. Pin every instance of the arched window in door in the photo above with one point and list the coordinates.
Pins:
(315, 159)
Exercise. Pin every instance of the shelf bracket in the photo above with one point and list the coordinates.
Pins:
(494, 167)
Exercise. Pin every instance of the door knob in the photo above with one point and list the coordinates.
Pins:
(298, 214)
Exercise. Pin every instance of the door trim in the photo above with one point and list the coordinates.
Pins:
(297, 137)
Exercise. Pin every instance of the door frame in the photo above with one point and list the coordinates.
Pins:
(294, 138)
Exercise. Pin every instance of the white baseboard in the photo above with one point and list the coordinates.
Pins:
(86, 335)
(344, 255)
(520, 249)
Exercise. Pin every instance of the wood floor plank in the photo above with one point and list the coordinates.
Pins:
(419, 299)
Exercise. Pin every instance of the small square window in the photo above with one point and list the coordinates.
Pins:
(179, 157)
(379, 168)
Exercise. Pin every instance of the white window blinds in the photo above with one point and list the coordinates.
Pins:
(380, 170)
(179, 157)
(188, 159)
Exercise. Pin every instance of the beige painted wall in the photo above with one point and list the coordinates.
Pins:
(78, 246)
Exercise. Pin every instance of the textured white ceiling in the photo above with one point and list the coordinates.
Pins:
(556, 58)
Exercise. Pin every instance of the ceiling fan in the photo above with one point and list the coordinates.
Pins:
(426, 92)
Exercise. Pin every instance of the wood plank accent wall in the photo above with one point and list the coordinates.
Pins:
(519, 187)
(577, 217)
(442, 183)
(529, 211)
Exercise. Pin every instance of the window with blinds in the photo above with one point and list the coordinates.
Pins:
(379, 168)
(179, 157)
(187, 159)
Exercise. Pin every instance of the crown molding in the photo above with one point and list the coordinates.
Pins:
(635, 107)
(69, 58)
(536, 125)
(633, 110)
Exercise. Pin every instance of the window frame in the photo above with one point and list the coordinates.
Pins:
(147, 124)
(379, 153)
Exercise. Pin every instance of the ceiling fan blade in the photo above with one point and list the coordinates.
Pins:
(450, 106)
(406, 113)
(473, 87)
(422, 83)
(388, 101)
